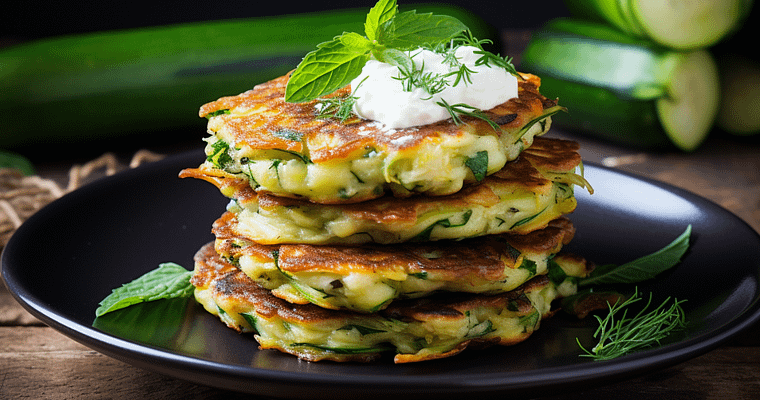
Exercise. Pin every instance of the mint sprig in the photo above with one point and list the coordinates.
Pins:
(387, 33)
(168, 281)
(328, 68)
(378, 15)
(641, 269)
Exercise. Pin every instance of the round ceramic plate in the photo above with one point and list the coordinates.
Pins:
(68, 257)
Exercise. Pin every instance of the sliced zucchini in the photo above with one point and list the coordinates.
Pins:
(689, 109)
(678, 24)
(622, 89)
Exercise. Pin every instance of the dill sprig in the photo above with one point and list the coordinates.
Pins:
(486, 57)
(340, 108)
(430, 82)
(456, 111)
(618, 335)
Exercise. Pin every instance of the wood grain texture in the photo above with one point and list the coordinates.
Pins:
(40, 363)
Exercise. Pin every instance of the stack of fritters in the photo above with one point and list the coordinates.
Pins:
(344, 240)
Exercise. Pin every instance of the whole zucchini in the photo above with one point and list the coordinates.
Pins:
(114, 83)
(623, 89)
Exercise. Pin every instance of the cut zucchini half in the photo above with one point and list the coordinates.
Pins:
(628, 90)
(677, 24)
(567, 50)
(615, 12)
(686, 24)
(688, 111)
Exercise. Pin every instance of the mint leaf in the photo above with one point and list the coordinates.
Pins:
(643, 268)
(383, 11)
(410, 30)
(335, 63)
(356, 42)
(168, 281)
(395, 57)
(328, 68)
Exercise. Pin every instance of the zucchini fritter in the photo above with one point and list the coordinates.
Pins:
(521, 197)
(367, 278)
(285, 149)
(415, 330)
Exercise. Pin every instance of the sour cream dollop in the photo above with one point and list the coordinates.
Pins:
(381, 96)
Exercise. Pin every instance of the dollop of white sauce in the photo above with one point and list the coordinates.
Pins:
(381, 96)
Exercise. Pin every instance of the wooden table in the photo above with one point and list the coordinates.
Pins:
(38, 362)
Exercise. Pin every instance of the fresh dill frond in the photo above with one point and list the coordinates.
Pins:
(467, 39)
(460, 71)
(618, 335)
(340, 108)
(460, 109)
(486, 57)
(431, 83)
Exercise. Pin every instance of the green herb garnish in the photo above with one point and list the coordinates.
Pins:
(412, 76)
(486, 57)
(388, 34)
(219, 155)
(478, 164)
(339, 107)
(461, 109)
(643, 268)
(168, 281)
(335, 63)
(619, 335)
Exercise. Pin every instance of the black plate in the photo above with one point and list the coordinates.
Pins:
(69, 256)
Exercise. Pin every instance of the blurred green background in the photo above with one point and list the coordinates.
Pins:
(93, 76)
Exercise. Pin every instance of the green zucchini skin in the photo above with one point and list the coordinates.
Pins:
(607, 110)
(148, 80)
(611, 83)
(599, 112)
